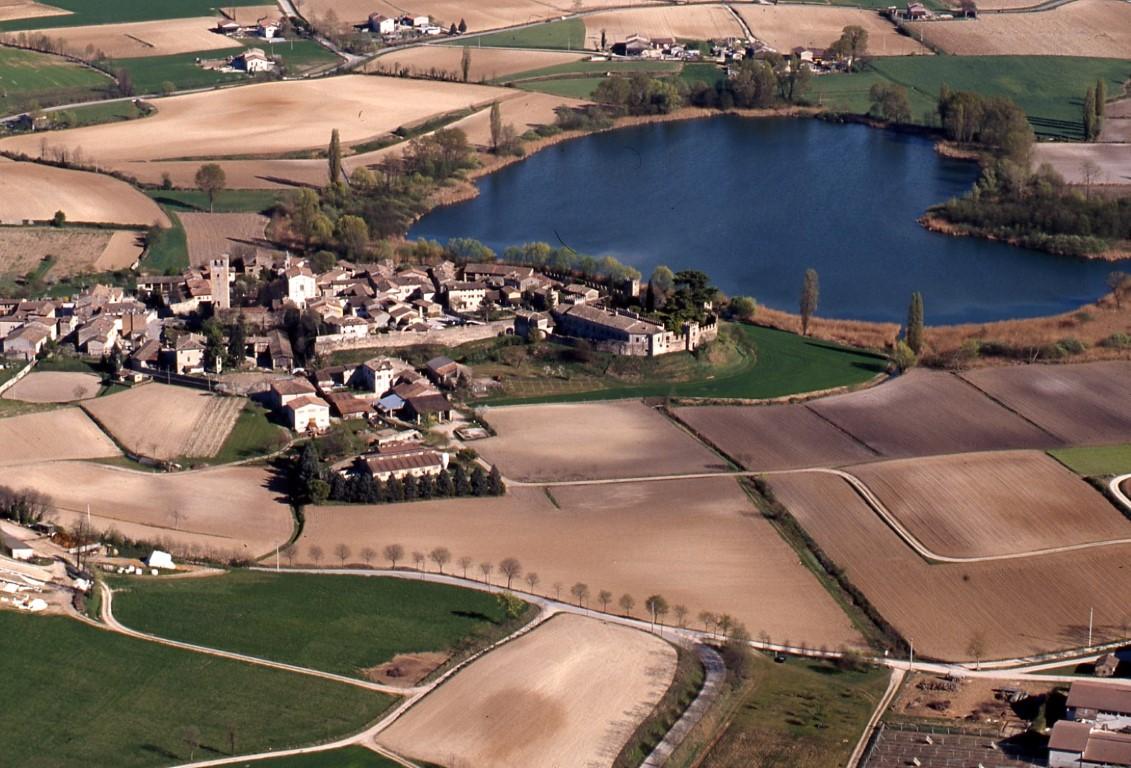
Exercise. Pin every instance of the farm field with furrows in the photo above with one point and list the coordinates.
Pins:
(947, 609)
(987, 504)
(71, 252)
(213, 124)
(179, 422)
(486, 63)
(1080, 28)
(54, 387)
(66, 433)
(786, 26)
(141, 38)
(29, 191)
(224, 512)
(683, 22)
(700, 543)
(575, 688)
(210, 234)
(774, 436)
(1079, 403)
(928, 412)
(555, 442)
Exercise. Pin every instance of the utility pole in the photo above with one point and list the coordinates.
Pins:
(1091, 616)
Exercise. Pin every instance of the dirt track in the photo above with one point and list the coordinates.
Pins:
(575, 688)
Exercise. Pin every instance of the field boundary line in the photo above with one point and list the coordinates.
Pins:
(1012, 410)
(841, 429)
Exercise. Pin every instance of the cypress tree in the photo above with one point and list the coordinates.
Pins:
(444, 486)
(1101, 97)
(335, 157)
(459, 481)
(915, 323)
(810, 294)
(1090, 127)
(479, 482)
(495, 482)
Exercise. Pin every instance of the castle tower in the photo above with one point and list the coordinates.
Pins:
(218, 275)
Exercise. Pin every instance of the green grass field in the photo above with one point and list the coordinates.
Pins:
(150, 73)
(1049, 88)
(348, 757)
(111, 112)
(1095, 460)
(110, 11)
(341, 624)
(712, 74)
(766, 363)
(29, 79)
(77, 696)
(227, 200)
(803, 712)
(300, 55)
(568, 34)
(252, 435)
(594, 68)
(169, 254)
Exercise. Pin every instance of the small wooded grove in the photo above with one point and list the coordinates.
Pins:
(24, 506)
(458, 481)
(1038, 210)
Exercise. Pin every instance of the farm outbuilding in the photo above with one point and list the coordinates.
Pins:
(14, 547)
(162, 560)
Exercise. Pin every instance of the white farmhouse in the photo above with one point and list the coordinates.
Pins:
(309, 413)
(301, 285)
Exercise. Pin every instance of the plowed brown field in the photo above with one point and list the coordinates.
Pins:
(1080, 28)
(36, 192)
(1084, 404)
(775, 437)
(587, 441)
(785, 27)
(699, 543)
(683, 22)
(225, 511)
(67, 433)
(143, 38)
(1017, 607)
(10, 10)
(167, 422)
(54, 387)
(575, 688)
(978, 504)
(478, 15)
(486, 63)
(923, 413)
(212, 234)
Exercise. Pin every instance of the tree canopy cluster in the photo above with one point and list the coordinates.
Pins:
(567, 260)
(993, 121)
(1039, 210)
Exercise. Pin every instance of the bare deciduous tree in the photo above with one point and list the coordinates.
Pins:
(707, 619)
(393, 553)
(440, 556)
(368, 554)
(315, 553)
(289, 552)
(557, 590)
(604, 597)
(465, 563)
(680, 612)
(511, 568)
(532, 580)
(658, 607)
(418, 560)
(626, 603)
(485, 569)
(580, 592)
(342, 552)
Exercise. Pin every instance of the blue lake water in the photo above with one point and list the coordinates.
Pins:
(753, 203)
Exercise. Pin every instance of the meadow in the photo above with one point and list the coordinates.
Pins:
(1049, 88)
(568, 34)
(29, 79)
(227, 200)
(804, 712)
(1095, 460)
(340, 624)
(113, 700)
(346, 757)
(756, 363)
